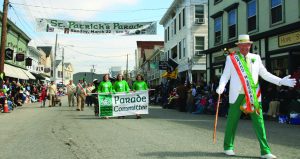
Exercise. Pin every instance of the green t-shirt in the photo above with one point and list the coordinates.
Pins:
(105, 87)
(139, 85)
(121, 86)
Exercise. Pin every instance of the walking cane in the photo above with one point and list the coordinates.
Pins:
(216, 120)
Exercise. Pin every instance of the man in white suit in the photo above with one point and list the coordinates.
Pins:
(243, 69)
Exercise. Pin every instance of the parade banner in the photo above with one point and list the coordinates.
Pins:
(124, 104)
(81, 27)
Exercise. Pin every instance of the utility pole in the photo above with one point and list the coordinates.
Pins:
(3, 39)
(54, 59)
(93, 71)
(62, 65)
(127, 69)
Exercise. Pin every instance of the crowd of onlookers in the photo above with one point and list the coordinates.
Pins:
(202, 99)
(17, 93)
(186, 97)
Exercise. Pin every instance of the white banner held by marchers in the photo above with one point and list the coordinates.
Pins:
(123, 104)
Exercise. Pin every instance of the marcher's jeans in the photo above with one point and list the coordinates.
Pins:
(71, 99)
(80, 101)
(52, 99)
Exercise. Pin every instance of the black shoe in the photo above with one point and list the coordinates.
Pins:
(138, 117)
(78, 109)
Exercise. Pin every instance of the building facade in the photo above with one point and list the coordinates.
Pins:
(145, 55)
(34, 54)
(273, 26)
(153, 75)
(59, 72)
(68, 72)
(14, 64)
(46, 62)
(186, 36)
(114, 71)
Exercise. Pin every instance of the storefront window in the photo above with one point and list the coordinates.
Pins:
(279, 66)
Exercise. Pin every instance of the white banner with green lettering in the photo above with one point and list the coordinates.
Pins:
(123, 104)
(82, 27)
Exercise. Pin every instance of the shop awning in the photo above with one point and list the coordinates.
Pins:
(15, 72)
(30, 76)
(21, 74)
(38, 76)
(10, 71)
(46, 77)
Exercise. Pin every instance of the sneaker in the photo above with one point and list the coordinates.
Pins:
(229, 152)
(268, 156)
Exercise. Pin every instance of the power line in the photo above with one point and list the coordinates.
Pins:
(96, 47)
(26, 24)
(76, 51)
(89, 10)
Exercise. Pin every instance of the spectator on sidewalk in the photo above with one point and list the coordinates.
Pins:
(190, 105)
(182, 96)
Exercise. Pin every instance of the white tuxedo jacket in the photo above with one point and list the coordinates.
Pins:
(256, 69)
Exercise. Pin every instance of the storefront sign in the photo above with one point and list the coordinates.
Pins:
(81, 27)
(163, 65)
(28, 62)
(123, 104)
(40, 68)
(20, 57)
(289, 39)
(47, 69)
(9, 54)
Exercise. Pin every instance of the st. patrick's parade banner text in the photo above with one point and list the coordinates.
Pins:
(82, 27)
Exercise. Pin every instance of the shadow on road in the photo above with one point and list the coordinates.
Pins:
(274, 130)
(65, 110)
(167, 154)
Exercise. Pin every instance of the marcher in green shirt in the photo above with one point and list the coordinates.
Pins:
(105, 86)
(138, 85)
(121, 85)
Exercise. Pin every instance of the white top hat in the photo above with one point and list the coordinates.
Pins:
(243, 39)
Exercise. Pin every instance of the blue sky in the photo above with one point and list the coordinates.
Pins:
(104, 50)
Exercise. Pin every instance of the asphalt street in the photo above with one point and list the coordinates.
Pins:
(31, 132)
